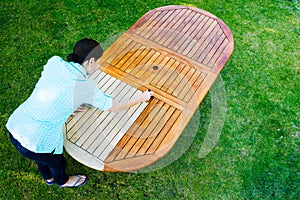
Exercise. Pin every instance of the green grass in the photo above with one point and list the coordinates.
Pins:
(257, 156)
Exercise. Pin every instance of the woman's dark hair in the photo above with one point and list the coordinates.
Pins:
(85, 49)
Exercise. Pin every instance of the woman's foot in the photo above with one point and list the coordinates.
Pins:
(50, 181)
(75, 181)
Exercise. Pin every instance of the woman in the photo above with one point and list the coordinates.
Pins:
(35, 127)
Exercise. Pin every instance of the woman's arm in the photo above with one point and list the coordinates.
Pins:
(123, 105)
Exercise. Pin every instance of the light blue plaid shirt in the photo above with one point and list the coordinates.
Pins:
(63, 87)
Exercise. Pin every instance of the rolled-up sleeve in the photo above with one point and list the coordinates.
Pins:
(87, 92)
(102, 100)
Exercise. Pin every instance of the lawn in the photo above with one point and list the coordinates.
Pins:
(257, 155)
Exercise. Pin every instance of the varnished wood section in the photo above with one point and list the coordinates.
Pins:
(190, 32)
(148, 132)
(159, 70)
(175, 51)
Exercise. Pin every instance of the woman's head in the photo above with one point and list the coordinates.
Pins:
(85, 49)
(86, 52)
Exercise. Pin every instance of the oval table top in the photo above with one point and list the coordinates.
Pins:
(175, 51)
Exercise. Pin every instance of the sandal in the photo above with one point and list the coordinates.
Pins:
(50, 182)
(79, 178)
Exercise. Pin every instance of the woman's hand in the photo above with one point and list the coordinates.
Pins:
(120, 106)
(79, 109)
(145, 96)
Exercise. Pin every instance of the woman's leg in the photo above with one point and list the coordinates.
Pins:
(47, 162)
(44, 170)
(56, 164)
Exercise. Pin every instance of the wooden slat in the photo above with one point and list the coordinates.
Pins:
(162, 73)
(188, 86)
(94, 121)
(128, 53)
(208, 48)
(80, 119)
(118, 127)
(151, 23)
(103, 128)
(121, 44)
(163, 134)
(198, 80)
(145, 125)
(120, 146)
(214, 49)
(182, 71)
(97, 76)
(162, 83)
(148, 75)
(190, 41)
(86, 132)
(205, 30)
(133, 56)
(137, 60)
(183, 82)
(172, 136)
(126, 165)
(187, 31)
(205, 38)
(125, 46)
(180, 30)
(152, 129)
(116, 138)
(168, 27)
(145, 61)
(154, 31)
(218, 53)
(171, 82)
(147, 141)
(154, 59)
(146, 23)
(157, 29)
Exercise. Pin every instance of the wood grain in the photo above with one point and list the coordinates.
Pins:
(175, 51)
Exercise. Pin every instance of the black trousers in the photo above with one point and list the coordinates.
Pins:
(50, 165)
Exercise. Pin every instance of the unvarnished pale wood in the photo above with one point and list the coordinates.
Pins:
(96, 132)
(175, 51)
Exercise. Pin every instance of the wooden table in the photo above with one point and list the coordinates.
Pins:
(175, 51)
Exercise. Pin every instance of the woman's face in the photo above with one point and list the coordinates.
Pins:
(91, 65)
